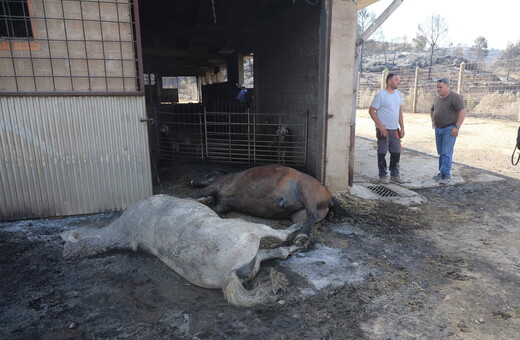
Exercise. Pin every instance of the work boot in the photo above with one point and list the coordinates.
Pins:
(437, 177)
(445, 180)
(397, 179)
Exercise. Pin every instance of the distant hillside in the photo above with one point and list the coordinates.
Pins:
(393, 57)
(490, 87)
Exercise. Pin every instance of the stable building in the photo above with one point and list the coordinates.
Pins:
(90, 94)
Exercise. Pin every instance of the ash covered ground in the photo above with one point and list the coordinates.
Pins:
(448, 268)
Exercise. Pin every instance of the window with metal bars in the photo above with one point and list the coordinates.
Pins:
(15, 21)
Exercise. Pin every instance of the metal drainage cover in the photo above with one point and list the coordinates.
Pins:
(382, 191)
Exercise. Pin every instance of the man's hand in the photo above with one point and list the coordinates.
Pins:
(454, 132)
(383, 130)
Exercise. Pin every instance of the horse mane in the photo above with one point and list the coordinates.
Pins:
(237, 295)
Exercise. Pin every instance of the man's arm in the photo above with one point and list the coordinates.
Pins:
(401, 121)
(372, 111)
(461, 117)
(431, 116)
(460, 120)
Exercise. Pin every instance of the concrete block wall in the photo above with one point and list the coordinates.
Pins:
(78, 46)
(287, 68)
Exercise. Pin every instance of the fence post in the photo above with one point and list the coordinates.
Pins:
(383, 78)
(461, 74)
(357, 90)
(415, 90)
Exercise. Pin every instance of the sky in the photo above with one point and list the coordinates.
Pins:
(497, 20)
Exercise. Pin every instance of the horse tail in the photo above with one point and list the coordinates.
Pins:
(339, 211)
(237, 295)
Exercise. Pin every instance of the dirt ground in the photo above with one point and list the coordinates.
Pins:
(449, 268)
(483, 142)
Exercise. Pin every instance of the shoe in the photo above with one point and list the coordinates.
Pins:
(445, 180)
(396, 179)
(437, 177)
(384, 180)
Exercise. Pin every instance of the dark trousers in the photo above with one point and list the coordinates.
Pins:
(391, 143)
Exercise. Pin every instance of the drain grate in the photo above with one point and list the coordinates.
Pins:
(382, 191)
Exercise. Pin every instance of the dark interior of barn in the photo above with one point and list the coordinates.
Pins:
(196, 57)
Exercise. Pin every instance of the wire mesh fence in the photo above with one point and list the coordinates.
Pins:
(69, 46)
(490, 89)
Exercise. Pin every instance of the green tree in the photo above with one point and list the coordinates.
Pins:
(419, 42)
(510, 57)
(511, 51)
(480, 48)
(432, 31)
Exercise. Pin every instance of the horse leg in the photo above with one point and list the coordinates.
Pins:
(308, 222)
(207, 200)
(251, 269)
(310, 218)
(234, 291)
(315, 211)
(279, 234)
(220, 208)
(204, 192)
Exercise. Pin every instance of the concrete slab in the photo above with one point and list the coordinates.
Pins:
(402, 196)
(417, 169)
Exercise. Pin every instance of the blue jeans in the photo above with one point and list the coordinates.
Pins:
(445, 145)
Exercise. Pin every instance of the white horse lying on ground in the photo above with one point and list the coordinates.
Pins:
(191, 239)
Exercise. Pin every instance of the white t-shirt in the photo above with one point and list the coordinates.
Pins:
(387, 106)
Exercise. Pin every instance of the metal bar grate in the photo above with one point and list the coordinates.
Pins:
(382, 191)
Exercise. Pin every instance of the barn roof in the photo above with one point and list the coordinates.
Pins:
(182, 37)
(364, 3)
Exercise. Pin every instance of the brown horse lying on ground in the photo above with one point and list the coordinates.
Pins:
(191, 239)
(269, 191)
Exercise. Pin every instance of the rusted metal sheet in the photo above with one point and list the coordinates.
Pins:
(72, 155)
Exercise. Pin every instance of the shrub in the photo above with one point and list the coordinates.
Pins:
(501, 105)
(365, 98)
(424, 101)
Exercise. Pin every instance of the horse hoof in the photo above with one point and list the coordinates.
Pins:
(207, 200)
(294, 248)
(301, 240)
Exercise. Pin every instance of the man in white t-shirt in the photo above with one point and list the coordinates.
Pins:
(386, 111)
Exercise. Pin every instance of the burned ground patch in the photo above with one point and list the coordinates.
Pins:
(447, 268)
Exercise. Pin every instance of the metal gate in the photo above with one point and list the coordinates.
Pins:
(190, 132)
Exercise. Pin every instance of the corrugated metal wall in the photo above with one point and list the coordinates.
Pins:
(72, 155)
